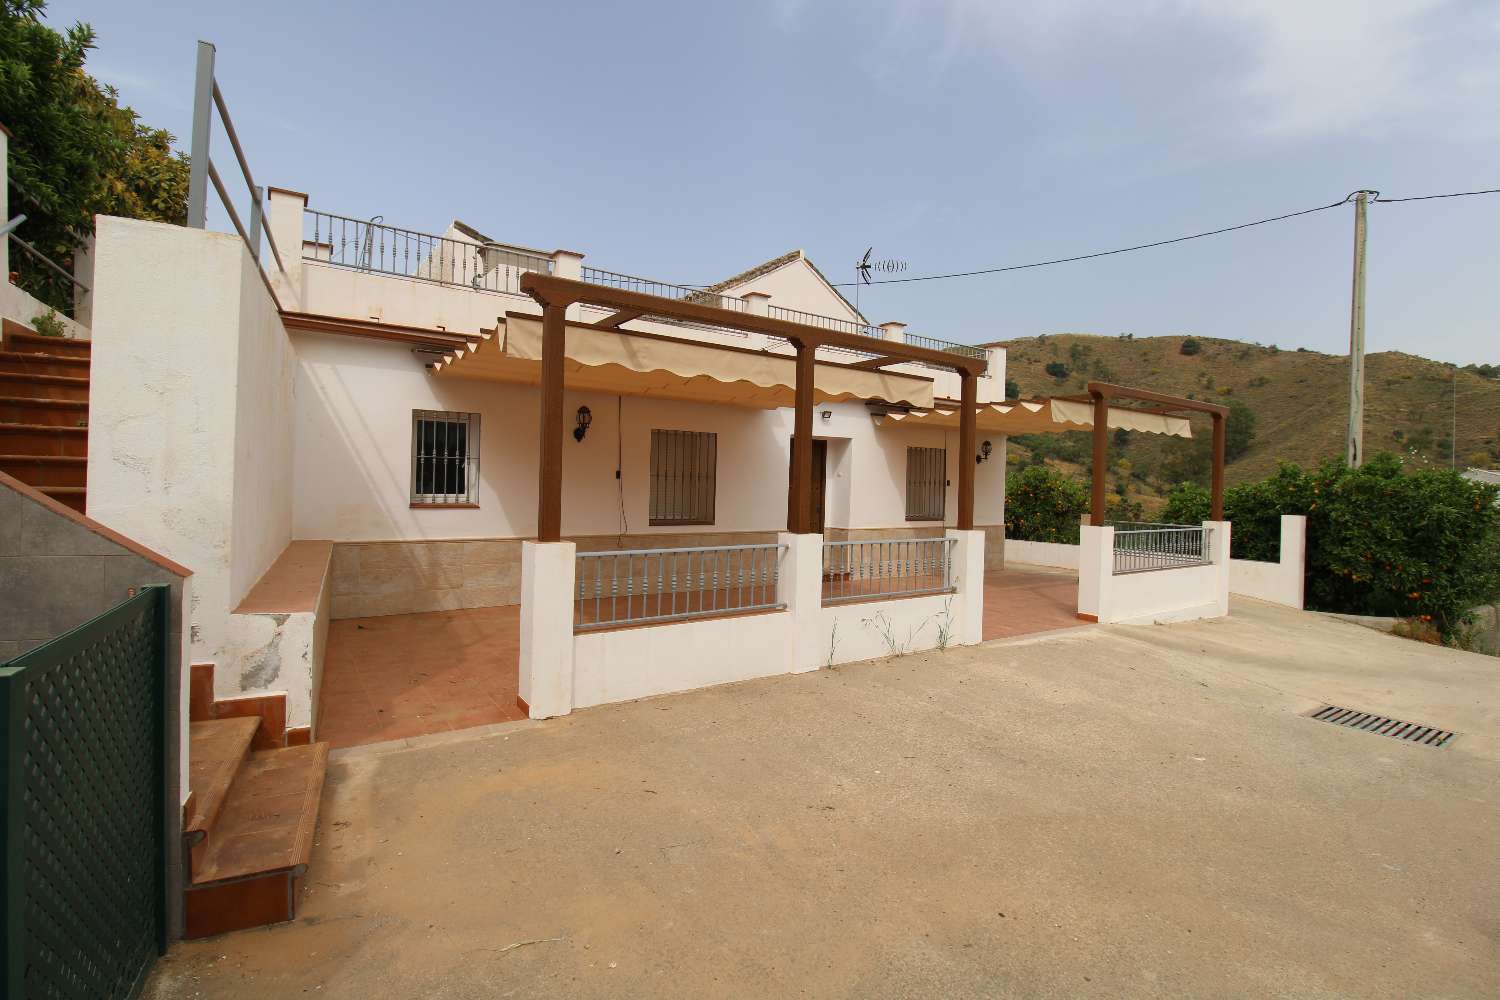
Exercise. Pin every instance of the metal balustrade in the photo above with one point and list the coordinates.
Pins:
(1142, 547)
(369, 245)
(663, 289)
(636, 586)
(904, 567)
(825, 322)
(947, 346)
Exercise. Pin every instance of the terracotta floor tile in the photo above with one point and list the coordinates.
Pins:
(405, 675)
(1022, 602)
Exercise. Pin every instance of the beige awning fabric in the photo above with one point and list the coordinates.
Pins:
(1046, 416)
(667, 368)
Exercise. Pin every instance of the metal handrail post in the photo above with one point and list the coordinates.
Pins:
(203, 97)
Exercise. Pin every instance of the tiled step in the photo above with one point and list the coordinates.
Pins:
(21, 363)
(31, 343)
(51, 412)
(39, 439)
(216, 749)
(46, 470)
(260, 843)
(44, 386)
(71, 496)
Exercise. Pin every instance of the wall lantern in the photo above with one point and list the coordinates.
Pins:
(984, 452)
(585, 417)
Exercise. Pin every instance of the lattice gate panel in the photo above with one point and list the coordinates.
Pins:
(83, 801)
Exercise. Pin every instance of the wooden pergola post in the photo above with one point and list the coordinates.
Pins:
(1101, 455)
(1216, 487)
(799, 517)
(549, 478)
(967, 418)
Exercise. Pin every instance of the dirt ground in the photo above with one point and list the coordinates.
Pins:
(1118, 811)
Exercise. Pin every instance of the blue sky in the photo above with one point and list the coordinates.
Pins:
(686, 141)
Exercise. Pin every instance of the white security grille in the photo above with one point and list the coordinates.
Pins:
(444, 457)
(926, 483)
(684, 466)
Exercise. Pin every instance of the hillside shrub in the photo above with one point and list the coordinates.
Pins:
(1057, 370)
(1190, 346)
(1042, 505)
(1012, 389)
(1423, 545)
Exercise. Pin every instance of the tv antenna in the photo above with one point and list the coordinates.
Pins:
(865, 265)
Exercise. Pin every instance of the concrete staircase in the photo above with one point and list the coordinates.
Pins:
(249, 822)
(44, 412)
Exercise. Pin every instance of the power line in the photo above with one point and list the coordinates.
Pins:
(1160, 243)
(1429, 197)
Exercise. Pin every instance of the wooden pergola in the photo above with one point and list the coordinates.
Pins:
(1100, 393)
(556, 294)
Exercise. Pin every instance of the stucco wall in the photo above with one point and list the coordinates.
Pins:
(1057, 554)
(353, 462)
(1280, 582)
(1167, 595)
(189, 429)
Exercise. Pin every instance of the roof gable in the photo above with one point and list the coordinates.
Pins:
(801, 284)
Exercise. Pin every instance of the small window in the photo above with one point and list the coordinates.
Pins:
(683, 471)
(926, 483)
(444, 458)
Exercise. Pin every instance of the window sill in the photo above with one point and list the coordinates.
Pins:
(416, 505)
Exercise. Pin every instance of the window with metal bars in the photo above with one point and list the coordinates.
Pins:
(926, 483)
(684, 466)
(444, 458)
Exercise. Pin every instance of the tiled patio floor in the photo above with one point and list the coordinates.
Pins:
(396, 676)
(1023, 601)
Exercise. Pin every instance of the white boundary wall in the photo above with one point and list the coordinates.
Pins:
(1278, 582)
(1063, 555)
(191, 389)
(1165, 595)
(561, 671)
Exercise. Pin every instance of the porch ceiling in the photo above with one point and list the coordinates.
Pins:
(1046, 416)
(635, 364)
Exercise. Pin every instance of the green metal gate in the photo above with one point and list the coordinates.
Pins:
(83, 881)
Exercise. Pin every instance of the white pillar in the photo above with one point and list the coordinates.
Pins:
(83, 271)
(756, 304)
(569, 264)
(1096, 566)
(995, 365)
(4, 200)
(968, 574)
(894, 332)
(546, 670)
(1294, 555)
(800, 588)
(285, 210)
(1218, 544)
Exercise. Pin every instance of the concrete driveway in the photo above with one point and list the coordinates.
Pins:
(1120, 811)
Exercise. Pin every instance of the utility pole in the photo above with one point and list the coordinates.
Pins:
(1357, 338)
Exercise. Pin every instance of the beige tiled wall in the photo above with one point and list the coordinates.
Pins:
(396, 578)
(393, 578)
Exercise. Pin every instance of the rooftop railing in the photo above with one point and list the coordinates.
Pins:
(663, 289)
(825, 322)
(948, 346)
(370, 245)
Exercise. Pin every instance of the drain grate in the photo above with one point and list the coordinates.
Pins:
(1410, 732)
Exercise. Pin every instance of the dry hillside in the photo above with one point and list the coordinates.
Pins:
(1299, 398)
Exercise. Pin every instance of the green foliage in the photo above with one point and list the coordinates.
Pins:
(1239, 432)
(74, 152)
(1069, 446)
(1189, 503)
(48, 325)
(1012, 388)
(1057, 370)
(1043, 506)
(1124, 509)
(1190, 346)
(1381, 541)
